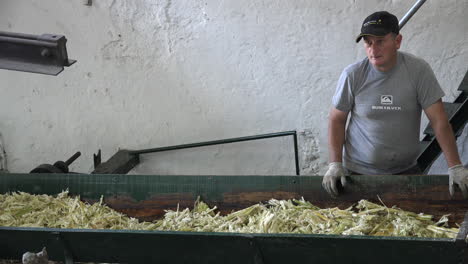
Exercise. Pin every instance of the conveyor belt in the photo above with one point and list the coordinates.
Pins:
(147, 196)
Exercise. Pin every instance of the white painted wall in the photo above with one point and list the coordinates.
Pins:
(159, 73)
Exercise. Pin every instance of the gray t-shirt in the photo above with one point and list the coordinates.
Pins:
(382, 136)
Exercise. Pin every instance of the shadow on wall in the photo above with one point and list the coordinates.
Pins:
(440, 165)
(3, 158)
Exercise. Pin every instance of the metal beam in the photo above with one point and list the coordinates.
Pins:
(411, 12)
(46, 53)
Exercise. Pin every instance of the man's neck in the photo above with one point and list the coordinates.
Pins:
(389, 66)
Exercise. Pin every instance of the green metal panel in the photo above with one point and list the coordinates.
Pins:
(182, 247)
(146, 196)
(356, 249)
(129, 246)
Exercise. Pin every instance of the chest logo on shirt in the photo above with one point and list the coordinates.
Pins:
(386, 103)
(386, 99)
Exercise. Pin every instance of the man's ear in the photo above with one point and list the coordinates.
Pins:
(398, 39)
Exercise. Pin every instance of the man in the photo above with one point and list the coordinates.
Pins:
(384, 95)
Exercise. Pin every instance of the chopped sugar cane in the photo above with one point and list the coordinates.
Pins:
(21, 209)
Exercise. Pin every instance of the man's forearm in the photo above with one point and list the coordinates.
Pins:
(336, 138)
(447, 143)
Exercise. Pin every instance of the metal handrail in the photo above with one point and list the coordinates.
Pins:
(226, 141)
(410, 13)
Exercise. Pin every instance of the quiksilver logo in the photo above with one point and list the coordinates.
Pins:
(386, 99)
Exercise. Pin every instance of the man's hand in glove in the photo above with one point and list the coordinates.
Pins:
(36, 258)
(335, 173)
(458, 175)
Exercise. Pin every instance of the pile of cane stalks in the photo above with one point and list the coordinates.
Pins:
(21, 209)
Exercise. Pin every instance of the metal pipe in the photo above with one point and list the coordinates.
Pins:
(214, 142)
(226, 141)
(410, 13)
(17, 35)
(73, 158)
(296, 154)
(28, 42)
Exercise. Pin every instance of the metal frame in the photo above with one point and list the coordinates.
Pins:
(125, 160)
(46, 53)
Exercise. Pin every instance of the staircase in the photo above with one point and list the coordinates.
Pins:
(457, 112)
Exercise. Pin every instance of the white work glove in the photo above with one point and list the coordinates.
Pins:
(36, 258)
(458, 175)
(335, 172)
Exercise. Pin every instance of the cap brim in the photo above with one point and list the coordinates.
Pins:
(362, 35)
(376, 32)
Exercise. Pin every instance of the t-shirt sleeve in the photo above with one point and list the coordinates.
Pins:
(429, 90)
(343, 99)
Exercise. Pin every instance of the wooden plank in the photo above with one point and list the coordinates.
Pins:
(147, 196)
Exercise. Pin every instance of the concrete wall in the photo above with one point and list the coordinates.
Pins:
(159, 73)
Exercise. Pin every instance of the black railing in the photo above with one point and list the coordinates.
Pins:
(458, 117)
(226, 141)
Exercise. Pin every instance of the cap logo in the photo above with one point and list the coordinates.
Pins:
(373, 22)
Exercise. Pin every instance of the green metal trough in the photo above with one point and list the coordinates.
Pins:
(147, 196)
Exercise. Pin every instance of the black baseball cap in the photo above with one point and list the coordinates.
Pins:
(379, 24)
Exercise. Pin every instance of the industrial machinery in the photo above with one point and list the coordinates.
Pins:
(46, 53)
(147, 196)
(125, 160)
(58, 167)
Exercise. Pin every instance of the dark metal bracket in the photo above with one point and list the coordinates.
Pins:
(257, 252)
(46, 53)
(120, 163)
(67, 254)
(125, 160)
(97, 159)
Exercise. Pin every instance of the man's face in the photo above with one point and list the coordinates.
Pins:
(382, 51)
